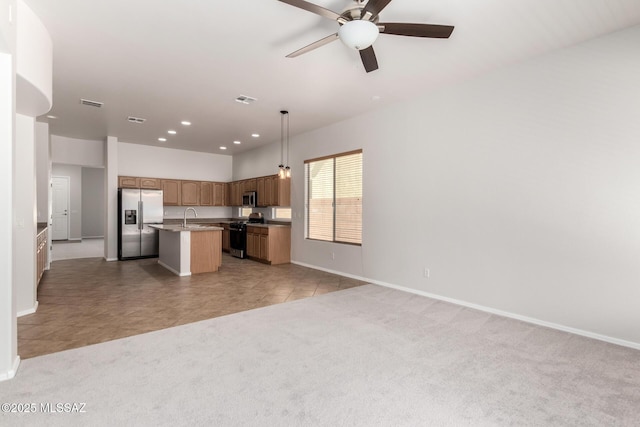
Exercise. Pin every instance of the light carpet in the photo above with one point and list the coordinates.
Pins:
(365, 356)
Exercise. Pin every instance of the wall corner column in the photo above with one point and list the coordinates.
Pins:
(111, 199)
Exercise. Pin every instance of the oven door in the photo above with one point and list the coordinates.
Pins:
(237, 241)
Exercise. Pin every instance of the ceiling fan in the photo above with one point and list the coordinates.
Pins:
(359, 28)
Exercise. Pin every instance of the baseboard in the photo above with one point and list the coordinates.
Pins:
(12, 372)
(174, 271)
(110, 259)
(491, 310)
(75, 239)
(28, 311)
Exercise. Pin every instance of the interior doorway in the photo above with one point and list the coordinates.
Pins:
(60, 208)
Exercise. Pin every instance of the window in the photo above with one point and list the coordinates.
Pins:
(334, 198)
(281, 213)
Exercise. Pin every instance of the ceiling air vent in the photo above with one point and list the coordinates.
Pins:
(136, 119)
(244, 99)
(91, 103)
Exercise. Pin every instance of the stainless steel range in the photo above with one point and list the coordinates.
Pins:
(238, 234)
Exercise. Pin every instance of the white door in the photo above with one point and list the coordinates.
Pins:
(60, 208)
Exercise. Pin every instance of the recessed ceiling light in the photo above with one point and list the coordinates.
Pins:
(51, 117)
(223, 148)
(172, 132)
(237, 142)
(255, 135)
(162, 139)
(185, 123)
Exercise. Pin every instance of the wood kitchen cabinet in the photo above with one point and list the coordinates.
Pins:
(219, 190)
(42, 251)
(249, 185)
(189, 193)
(253, 242)
(226, 242)
(280, 191)
(227, 194)
(171, 192)
(273, 191)
(236, 193)
(151, 183)
(260, 189)
(206, 193)
(270, 245)
(128, 182)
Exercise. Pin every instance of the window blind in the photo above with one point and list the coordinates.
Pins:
(334, 198)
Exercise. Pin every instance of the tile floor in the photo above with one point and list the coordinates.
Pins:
(87, 301)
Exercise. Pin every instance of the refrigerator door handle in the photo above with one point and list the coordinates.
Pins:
(141, 215)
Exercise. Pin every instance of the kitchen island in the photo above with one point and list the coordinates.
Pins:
(190, 250)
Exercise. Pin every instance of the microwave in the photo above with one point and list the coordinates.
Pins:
(249, 199)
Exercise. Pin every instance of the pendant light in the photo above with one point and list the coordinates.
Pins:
(281, 172)
(284, 171)
(287, 169)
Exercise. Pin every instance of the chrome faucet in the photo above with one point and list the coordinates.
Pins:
(184, 221)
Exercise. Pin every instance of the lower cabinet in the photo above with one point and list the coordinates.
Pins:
(42, 246)
(226, 243)
(271, 245)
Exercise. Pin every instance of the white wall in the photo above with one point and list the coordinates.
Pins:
(24, 210)
(75, 196)
(73, 151)
(34, 63)
(519, 190)
(158, 162)
(92, 202)
(9, 359)
(261, 161)
(43, 171)
(110, 155)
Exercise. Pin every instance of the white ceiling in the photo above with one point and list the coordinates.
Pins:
(168, 61)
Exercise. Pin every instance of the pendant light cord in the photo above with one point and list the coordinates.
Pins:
(287, 164)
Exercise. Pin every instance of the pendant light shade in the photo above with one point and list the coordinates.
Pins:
(358, 34)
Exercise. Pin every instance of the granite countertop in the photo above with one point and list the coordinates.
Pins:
(190, 227)
(268, 225)
(202, 221)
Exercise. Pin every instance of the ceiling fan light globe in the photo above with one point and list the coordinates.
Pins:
(358, 34)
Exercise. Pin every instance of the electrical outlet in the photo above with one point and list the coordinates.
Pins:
(426, 273)
(333, 255)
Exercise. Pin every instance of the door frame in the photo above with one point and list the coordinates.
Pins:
(67, 179)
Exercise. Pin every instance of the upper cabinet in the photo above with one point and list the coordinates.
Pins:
(171, 192)
(219, 193)
(190, 193)
(271, 190)
(274, 191)
(138, 182)
(128, 182)
(206, 193)
(151, 183)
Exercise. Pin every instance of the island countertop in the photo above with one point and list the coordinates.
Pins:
(190, 227)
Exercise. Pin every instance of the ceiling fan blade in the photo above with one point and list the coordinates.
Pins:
(313, 8)
(314, 45)
(417, 30)
(374, 7)
(369, 60)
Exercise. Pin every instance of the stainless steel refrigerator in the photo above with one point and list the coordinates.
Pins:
(137, 209)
